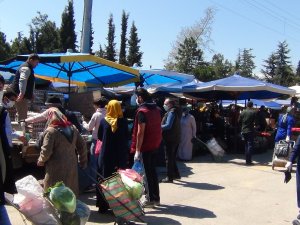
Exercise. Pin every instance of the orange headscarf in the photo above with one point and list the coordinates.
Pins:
(57, 119)
(113, 112)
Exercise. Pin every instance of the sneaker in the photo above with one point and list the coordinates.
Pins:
(166, 180)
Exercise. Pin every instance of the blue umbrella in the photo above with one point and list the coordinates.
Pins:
(236, 87)
(257, 103)
(156, 78)
(77, 68)
(177, 88)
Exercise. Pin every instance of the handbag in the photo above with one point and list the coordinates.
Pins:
(98, 147)
(282, 148)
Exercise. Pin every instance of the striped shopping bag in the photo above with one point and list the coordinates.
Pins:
(119, 200)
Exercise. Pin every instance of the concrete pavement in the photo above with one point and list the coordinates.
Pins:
(209, 193)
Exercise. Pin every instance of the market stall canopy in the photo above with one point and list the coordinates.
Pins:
(177, 88)
(236, 87)
(256, 103)
(297, 89)
(76, 68)
(156, 78)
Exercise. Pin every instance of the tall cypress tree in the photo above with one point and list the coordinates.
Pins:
(134, 53)
(122, 54)
(91, 39)
(67, 29)
(110, 49)
(100, 52)
(270, 68)
(284, 72)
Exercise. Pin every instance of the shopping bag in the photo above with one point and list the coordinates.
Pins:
(98, 147)
(119, 199)
(282, 148)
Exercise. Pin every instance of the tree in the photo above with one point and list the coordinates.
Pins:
(298, 70)
(221, 67)
(44, 35)
(189, 56)
(244, 63)
(100, 52)
(4, 47)
(21, 45)
(270, 69)
(110, 49)
(67, 30)
(200, 31)
(122, 54)
(284, 73)
(92, 39)
(134, 53)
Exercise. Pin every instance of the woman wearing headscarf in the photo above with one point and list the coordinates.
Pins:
(113, 132)
(62, 148)
(285, 123)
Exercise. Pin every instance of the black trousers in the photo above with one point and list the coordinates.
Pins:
(171, 152)
(152, 179)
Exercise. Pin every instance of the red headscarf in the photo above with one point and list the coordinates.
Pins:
(57, 119)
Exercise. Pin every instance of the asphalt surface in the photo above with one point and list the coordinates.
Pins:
(213, 193)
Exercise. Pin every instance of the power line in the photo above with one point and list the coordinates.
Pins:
(277, 15)
(253, 21)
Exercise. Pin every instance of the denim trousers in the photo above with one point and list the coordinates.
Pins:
(249, 146)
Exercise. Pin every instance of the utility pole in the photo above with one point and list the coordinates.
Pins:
(86, 27)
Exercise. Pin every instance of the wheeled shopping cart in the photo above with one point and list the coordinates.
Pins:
(123, 206)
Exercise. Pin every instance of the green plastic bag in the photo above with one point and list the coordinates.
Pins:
(62, 197)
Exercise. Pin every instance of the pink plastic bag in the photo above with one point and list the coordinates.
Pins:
(132, 174)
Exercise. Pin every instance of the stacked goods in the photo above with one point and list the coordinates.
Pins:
(35, 129)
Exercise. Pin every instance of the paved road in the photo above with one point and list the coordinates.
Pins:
(209, 193)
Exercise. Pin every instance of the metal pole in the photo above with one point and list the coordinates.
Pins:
(86, 27)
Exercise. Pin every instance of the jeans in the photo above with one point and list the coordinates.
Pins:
(249, 146)
(4, 216)
(151, 175)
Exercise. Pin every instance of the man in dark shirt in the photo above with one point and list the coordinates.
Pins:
(23, 84)
(247, 122)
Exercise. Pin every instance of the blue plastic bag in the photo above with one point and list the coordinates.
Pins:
(138, 167)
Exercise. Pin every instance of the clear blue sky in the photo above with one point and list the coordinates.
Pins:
(256, 24)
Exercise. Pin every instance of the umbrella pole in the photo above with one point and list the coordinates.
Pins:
(235, 131)
(69, 88)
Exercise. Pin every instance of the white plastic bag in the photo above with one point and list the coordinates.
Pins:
(32, 203)
(216, 150)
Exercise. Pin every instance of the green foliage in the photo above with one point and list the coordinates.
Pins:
(134, 53)
(44, 35)
(110, 49)
(21, 45)
(278, 69)
(4, 47)
(122, 54)
(270, 69)
(244, 63)
(283, 71)
(221, 66)
(67, 30)
(100, 52)
(189, 56)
